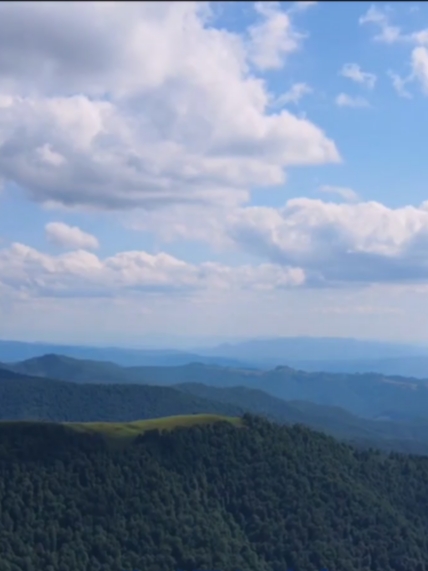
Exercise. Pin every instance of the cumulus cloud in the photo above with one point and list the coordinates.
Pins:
(344, 192)
(293, 95)
(273, 37)
(70, 237)
(350, 242)
(344, 100)
(388, 33)
(153, 105)
(83, 274)
(338, 243)
(354, 72)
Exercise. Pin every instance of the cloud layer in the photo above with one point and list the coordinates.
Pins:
(150, 106)
(28, 272)
(334, 243)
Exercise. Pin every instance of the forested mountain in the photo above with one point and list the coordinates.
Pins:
(261, 497)
(366, 395)
(32, 398)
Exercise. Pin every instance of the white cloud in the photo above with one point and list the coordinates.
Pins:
(273, 37)
(399, 85)
(293, 95)
(82, 274)
(154, 105)
(302, 5)
(420, 67)
(388, 34)
(354, 72)
(344, 100)
(334, 243)
(337, 243)
(419, 55)
(70, 237)
(344, 192)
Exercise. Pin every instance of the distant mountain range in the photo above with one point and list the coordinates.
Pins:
(306, 354)
(368, 395)
(29, 398)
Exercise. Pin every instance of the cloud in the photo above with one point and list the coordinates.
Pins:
(82, 274)
(399, 85)
(353, 71)
(419, 55)
(70, 237)
(343, 243)
(273, 37)
(420, 67)
(388, 34)
(346, 193)
(302, 6)
(293, 95)
(154, 105)
(344, 100)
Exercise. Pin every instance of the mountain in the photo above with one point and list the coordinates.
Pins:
(284, 350)
(212, 496)
(369, 395)
(12, 351)
(410, 436)
(32, 398)
(413, 366)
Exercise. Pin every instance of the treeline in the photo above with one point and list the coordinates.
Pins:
(257, 498)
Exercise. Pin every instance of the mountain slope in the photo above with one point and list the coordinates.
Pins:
(411, 436)
(32, 398)
(264, 498)
(368, 395)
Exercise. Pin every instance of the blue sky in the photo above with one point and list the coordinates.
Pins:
(192, 170)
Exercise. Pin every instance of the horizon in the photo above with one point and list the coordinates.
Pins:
(188, 345)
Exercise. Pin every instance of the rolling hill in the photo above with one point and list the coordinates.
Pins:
(369, 395)
(24, 398)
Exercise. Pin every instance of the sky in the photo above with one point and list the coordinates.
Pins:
(194, 170)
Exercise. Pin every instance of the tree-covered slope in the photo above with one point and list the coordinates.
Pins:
(258, 498)
(31, 398)
(368, 395)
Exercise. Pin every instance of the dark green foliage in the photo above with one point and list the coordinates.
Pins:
(260, 498)
(28, 398)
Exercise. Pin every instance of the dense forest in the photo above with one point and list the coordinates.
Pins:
(255, 498)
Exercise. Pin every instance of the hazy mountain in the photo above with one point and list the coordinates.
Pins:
(284, 350)
(413, 366)
(369, 395)
(11, 351)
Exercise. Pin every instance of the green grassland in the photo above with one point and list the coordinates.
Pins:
(133, 429)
